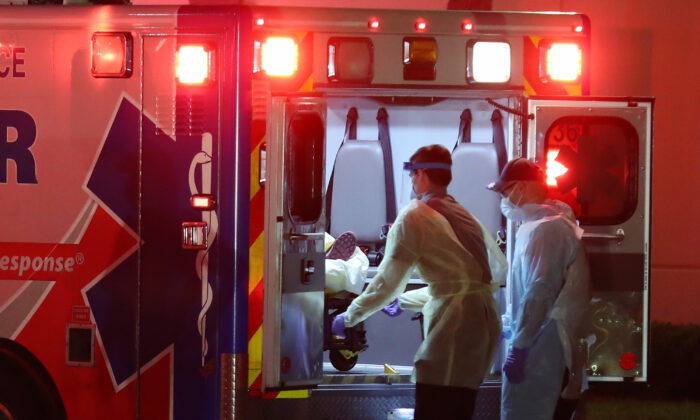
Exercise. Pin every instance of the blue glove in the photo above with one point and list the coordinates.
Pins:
(393, 308)
(514, 367)
(338, 325)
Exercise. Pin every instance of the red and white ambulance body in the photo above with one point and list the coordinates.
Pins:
(164, 172)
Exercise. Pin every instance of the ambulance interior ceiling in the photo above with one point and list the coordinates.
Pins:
(410, 127)
(395, 340)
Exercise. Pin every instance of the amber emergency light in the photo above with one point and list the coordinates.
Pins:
(419, 57)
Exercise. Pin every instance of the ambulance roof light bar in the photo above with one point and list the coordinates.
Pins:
(193, 65)
(112, 54)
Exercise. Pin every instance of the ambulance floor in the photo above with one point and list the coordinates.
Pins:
(362, 374)
(370, 401)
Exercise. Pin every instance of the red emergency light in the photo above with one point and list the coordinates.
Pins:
(279, 56)
(555, 168)
(194, 64)
(203, 201)
(467, 26)
(628, 361)
(260, 21)
(421, 25)
(111, 54)
(560, 61)
(350, 60)
(373, 24)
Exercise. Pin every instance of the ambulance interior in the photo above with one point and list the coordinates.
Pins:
(358, 189)
(357, 204)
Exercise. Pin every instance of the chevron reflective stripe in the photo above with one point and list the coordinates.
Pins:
(532, 82)
(303, 83)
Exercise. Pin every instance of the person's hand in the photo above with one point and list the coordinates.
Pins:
(338, 325)
(514, 367)
(393, 308)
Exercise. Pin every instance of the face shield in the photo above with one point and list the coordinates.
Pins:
(407, 191)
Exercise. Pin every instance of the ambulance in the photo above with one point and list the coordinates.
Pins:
(169, 175)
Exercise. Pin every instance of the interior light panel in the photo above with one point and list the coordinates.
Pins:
(488, 62)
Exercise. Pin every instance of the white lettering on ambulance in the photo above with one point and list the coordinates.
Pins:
(24, 264)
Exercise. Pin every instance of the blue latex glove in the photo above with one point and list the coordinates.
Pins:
(393, 308)
(514, 367)
(338, 325)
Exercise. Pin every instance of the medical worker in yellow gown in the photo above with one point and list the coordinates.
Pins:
(438, 237)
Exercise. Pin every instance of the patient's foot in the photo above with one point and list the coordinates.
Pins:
(343, 247)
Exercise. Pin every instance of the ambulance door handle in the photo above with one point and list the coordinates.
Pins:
(304, 236)
(619, 235)
(309, 269)
(194, 235)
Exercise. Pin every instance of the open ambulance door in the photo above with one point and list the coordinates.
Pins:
(294, 250)
(598, 157)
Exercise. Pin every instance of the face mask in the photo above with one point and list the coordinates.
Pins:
(511, 211)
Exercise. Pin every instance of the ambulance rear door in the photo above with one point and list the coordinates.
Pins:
(294, 243)
(598, 157)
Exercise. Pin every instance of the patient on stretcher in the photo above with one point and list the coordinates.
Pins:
(346, 264)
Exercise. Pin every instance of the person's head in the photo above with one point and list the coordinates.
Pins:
(522, 181)
(436, 173)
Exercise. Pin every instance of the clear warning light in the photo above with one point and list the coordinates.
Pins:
(554, 168)
(193, 64)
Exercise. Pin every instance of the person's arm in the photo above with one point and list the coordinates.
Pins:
(393, 273)
(414, 300)
(544, 264)
(498, 264)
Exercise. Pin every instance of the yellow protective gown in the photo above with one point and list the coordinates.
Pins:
(461, 322)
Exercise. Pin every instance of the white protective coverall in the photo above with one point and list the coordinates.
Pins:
(461, 322)
(550, 293)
